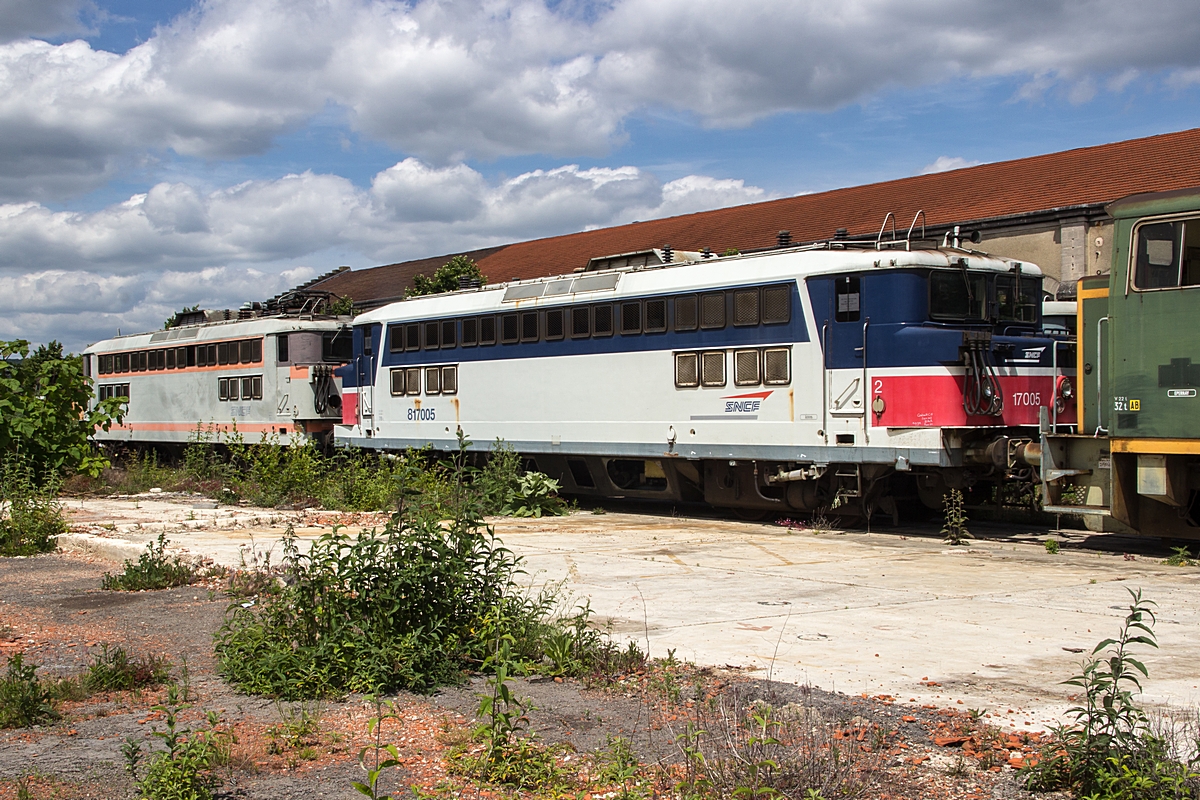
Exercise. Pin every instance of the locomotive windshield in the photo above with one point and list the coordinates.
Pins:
(957, 295)
(337, 346)
(1019, 306)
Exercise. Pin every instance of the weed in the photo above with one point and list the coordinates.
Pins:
(536, 495)
(112, 670)
(298, 729)
(1051, 546)
(30, 516)
(955, 526)
(1181, 557)
(24, 700)
(1110, 751)
(619, 766)
(184, 771)
(383, 756)
(153, 570)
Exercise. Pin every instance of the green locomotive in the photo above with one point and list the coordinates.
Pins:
(1134, 462)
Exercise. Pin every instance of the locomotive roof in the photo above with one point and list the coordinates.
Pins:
(716, 272)
(210, 331)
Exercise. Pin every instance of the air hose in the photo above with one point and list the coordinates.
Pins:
(981, 388)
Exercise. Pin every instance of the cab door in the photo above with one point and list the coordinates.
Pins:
(366, 360)
(845, 353)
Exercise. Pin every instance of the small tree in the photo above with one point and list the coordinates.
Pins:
(46, 415)
(342, 307)
(447, 277)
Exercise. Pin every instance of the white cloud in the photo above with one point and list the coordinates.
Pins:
(79, 276)
(21, 18)
(447, 80)
(947, 163)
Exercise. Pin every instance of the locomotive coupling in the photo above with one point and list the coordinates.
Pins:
(809, 473)
(1004, 452)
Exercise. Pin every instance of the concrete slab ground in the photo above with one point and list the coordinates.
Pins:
(994, 626)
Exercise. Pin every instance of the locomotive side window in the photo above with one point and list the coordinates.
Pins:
(686, 313)
(712, 311)
(171, 359)
(470, 332)
(529, 326)
(256, 387)
(433, 380)
(113, 390)
(1167, 255)
(211, 351)
(581, 322)
(745, 368)
(432, 339)
(412, 380)
(777, 305)
(395, 334)
(223, 389)
(223, 353)
(602, 320)
(181, 357)
(397, 376)
(368, 345)
(745, 307)
(554, 325)
(848, 299)
(687, 370)
(631, 318)
(245, 351)
(656, 316)
(487, 331)
(712, 368)
(777, 366)
(509, 330)
(412, 336)
(449, 333)
(247, 388)
(281, 347)
(256, 350)
(337, 346)
(957, 295)
(449, 380)
(1020, 306)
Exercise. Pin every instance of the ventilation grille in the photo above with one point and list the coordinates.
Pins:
(602, 320)
(745, 308)
(412, 380)
(470, 332)
(745, 368)
(529, 326)
(777, 305)
(687, 369)
(397, 381)
(581, 322)
(631, 318)
(412, 337)
(712, 310)
(508, 328)
(449, 380)
(487, 330)
(449, 332)
(712, 368)
(685, 313)
(554, 324)
(777, 366)
(656, 316)
(433, 380)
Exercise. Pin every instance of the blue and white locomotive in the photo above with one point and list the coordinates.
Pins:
(825, 376)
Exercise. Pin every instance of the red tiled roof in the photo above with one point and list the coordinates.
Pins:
(1086, 176)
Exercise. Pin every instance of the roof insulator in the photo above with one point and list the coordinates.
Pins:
(783, 238)
(668, 254)
(706, 253)
(841, 233)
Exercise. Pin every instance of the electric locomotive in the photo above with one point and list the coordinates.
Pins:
(833, 376)
(268, 374)
(1134, 464)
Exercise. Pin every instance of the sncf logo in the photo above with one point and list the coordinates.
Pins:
(744, 403)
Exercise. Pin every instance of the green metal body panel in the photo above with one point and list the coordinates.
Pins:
(1093, 400)
(1149, 330)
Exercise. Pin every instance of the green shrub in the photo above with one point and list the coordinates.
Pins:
(184, 771)
(153, 570)
(113, 670)
(1051, 546)
(24, 700)
(30, 516)
(536, 495)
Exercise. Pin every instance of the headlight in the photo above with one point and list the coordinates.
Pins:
(1065, 390)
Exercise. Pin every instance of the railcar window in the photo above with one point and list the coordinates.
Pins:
(114, 390)
(712, 311)
(687, 370)
(160, 359)
(849, 299)
(433, 380)
(412, 336)
(529, 326)
(470, 332)
(244, 351)
(412, 380)
(554, 325)
(397, 376)
(602, 320)
(395, 334)
(171, 359)
(745, 307)
(487, 331)
(1167, 255)
(777, 366)
(1018, 306)
(656, 316)
(777, 305)
(337, 346)
(449, 333)
(432, 337)
(256, 387)
(712, 368)
(509, 329)
(631, 318)
(247, 388)
(957, 295)
(581, 322)
(181, 357)
(222, 388)
(211, 350)
(223, 353)
(143, 361)
(449, 380)
(281, 347)
(256, 350)
(686, 313)
(745, 368)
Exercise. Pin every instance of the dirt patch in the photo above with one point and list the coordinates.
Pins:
(53, 612)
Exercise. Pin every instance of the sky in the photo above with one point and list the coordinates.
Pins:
(156, 155)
